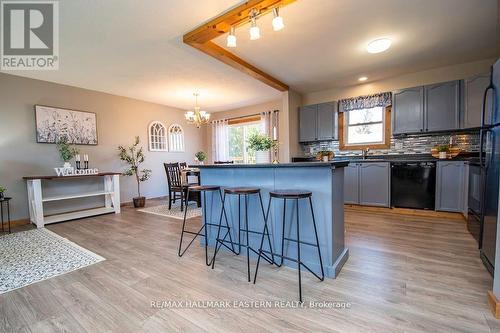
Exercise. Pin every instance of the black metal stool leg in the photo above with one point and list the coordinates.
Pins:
(317, 240)
(248, 241)
(298, 250)
(205, 231)
(1, 213)
(8, 214)
(266, 228)
(262, 242)
(283, 233)
(220, 242)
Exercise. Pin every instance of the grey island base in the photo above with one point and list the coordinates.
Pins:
(326, 182)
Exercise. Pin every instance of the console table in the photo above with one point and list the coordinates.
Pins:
(36, 198)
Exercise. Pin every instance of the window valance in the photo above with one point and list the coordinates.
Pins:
(365, 102)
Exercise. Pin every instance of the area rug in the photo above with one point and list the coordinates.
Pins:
(175, 212)
(36, 255)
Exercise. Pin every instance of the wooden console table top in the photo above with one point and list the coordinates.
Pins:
(100, 174)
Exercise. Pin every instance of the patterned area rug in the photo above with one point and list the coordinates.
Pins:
(175, 212)
(36, 255)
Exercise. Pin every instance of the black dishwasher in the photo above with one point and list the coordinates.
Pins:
(413, 185)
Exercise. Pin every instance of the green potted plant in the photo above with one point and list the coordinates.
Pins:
(66, 151)
(261, 144)
(200, 156)
(325, 155)
(2, 192)
(443, 151)
(134, 157)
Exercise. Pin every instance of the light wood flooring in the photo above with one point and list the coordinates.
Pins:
(404, 274)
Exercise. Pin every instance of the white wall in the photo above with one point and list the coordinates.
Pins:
(119, 120)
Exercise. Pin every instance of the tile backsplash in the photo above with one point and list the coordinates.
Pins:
(415, 144)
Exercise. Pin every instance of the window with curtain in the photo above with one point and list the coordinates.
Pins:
(157, 136)
(364, 122)
(238, 137)
(176, 138)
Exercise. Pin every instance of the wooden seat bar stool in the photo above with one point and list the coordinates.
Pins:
(245, 192)
(291, 195)
(203, 189)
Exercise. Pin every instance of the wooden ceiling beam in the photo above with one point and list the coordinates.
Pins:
(201, 38)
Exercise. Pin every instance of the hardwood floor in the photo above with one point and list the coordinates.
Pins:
(404, 274)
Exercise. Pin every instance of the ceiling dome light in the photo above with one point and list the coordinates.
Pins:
(277, 20)
(231, 38)
(379, 45)
(363, 78)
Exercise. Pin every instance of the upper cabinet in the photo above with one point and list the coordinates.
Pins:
(441, 106)
(307, 123)
(318, 122)
(473, 90)
(408, 110)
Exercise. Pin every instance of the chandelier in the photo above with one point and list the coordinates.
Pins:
(196, 116)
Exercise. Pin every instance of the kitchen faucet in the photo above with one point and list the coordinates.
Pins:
(364, 152)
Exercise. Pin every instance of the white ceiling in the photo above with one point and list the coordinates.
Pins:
(324, 42)
(134, 48)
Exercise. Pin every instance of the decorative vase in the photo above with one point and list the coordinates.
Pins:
(325, 158)
(201, 162)
(262, 157)
(2, 195)
(443, 155)
(139, 202)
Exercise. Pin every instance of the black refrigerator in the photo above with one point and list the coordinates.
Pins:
(490, 164)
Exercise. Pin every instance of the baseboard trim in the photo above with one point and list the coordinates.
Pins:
(407, 211)
(494, 304)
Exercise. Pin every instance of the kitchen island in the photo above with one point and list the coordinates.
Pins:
(324, 179)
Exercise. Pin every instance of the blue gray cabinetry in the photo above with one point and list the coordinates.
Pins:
(408, 110)
(450, 186)
(351, 183)
(367, 184)
(472, 100)
(318, 122)
(307, 123)
(442, 109)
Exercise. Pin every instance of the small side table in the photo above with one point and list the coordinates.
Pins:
(5, 200)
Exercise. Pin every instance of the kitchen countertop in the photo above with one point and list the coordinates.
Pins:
(471, 158)
(336, 163)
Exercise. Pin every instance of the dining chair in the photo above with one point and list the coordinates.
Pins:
(175, 184)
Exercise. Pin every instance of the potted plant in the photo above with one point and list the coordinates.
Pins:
(443, 151)
(134, 157)
(261, 144)
(325, 155)
(200, 156)
(2, 192)
(67, 152)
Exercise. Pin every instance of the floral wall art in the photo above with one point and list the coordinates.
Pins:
(54, 124)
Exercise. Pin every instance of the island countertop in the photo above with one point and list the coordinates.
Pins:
(335, 164)
(324, 179)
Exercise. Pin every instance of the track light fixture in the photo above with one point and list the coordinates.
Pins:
(231, 38)
(254, 29)
(277, 20)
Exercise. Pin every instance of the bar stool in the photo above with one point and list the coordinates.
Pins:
(292, 195)
(246, 192)
(203, 189)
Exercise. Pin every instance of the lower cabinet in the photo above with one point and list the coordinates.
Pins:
(450, 186)
(367, 184)
(351, 183)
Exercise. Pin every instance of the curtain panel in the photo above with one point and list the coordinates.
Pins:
(365, 102)
(220, 140)
(270, 125)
